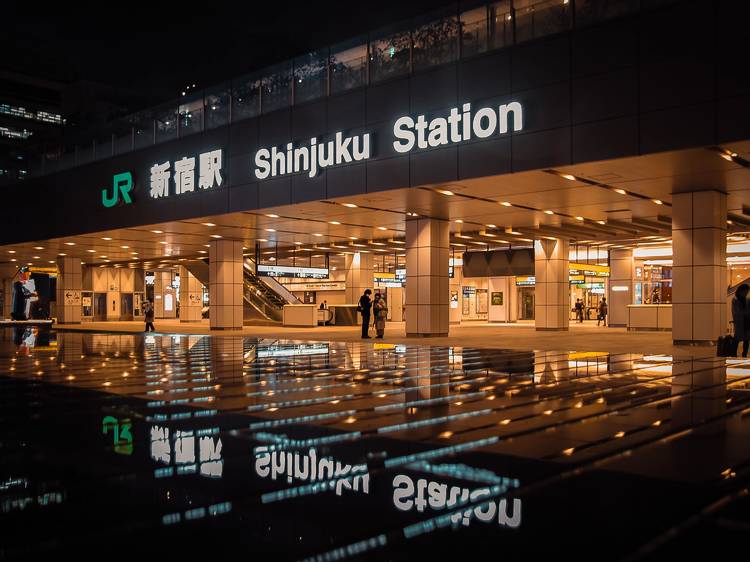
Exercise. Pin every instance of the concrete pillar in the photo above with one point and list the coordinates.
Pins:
(225, 284)
(227, 355)
(358, 275)
(552, 292)
(699, 248)
(68, 293)
(622, 273)
(191, 296)
(427, 281)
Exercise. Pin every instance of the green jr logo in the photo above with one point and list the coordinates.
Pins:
(121, 184)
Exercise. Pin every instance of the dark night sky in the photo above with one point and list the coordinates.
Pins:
(158, 52)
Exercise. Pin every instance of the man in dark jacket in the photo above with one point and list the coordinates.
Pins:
(20, 297)
(364, 307)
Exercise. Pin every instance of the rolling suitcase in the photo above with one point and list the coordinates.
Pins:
(726, 346)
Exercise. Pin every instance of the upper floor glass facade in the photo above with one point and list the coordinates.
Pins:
(435, 39)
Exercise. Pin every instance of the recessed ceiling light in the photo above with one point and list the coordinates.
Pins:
(124, 247)
(334, 222)
(162, 242)
(445, 192)
(548, 212)
(579, 218)
(298, 243)
(106, 238)
(202, 252)
(317, 234)
(216, 236)
(382, 228)
(505, 204)
(491, 226)
(620, 191)
(70, 243)
(262, 240)
(35, 257)
(459, 221)
(91, 251)
(350, 205)
(208, 224)
(270, 230)
(271, 215)
(11, 251)
(13, 259)
(657, 201)
(102, 256)
(38, 248)
(62, 254)
(158, 231)
(568, 177)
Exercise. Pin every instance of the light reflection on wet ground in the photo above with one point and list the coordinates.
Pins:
(227, 445)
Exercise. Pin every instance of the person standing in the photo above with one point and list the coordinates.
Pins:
(579, 310)
(148, 315)
(740, 312)
(380, 310)
(324, 305)
(602, 313)
(364, 307)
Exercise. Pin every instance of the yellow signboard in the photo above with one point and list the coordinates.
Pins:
(589, 269)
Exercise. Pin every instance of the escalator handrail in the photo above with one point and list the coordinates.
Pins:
(274, 286)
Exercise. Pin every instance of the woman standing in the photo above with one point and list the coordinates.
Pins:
(740, 311)
(381, 311)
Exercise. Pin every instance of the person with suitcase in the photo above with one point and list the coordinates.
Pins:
(741, 318)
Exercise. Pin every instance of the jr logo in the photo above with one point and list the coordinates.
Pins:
(121, 184)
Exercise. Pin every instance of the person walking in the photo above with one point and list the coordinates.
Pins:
(364, 307)
(148, 315)
(740, 312)
(579, 310)
(380, 310)
(602, 313)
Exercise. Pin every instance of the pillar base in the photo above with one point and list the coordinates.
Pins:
(695, 343)
(225, 328)
(445, 335)
(552, 329)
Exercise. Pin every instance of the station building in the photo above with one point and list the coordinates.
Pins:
(486, 162)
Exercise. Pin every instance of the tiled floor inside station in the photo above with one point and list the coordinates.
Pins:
(187, 446)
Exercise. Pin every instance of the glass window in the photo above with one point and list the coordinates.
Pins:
(165, 120)
(123, 139)
(389, 56)
(103, 147)
(191, 114)
(143, 129)
(277, 88)
(500, 25)
(474, 32)
(217, 106)
(592, 11)
(348, 67)
(537, 18)
(435, 43)
(311, 76)
(245, 97)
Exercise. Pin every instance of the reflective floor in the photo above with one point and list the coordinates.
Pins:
(194, 446)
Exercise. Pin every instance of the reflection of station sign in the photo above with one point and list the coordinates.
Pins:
(588, 269)
(439, 496)
(288, 350)
(525, 281)
(298, 272)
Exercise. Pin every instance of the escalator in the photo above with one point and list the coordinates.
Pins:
(264, 297)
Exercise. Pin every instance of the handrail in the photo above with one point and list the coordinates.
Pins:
(272, 284)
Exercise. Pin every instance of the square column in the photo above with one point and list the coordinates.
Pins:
(358, 275)
(427, 281)
(68, 293)
(225, 284)
(191, 296)
(622, 273)
(699, 277)
(552, 292)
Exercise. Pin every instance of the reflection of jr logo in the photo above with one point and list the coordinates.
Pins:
(122, 438)
(121, 184)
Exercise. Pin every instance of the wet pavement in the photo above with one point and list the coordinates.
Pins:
(191, 446)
